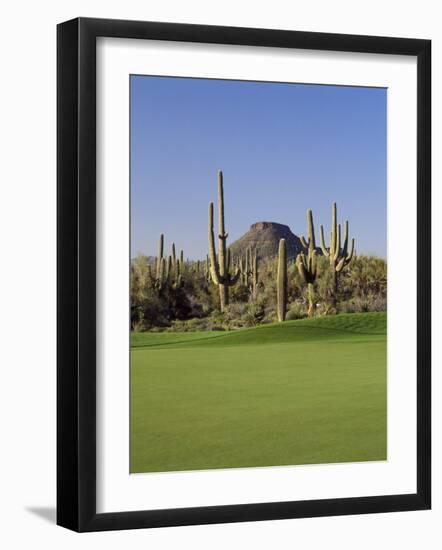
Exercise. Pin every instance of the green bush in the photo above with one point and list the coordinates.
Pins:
(296, 310)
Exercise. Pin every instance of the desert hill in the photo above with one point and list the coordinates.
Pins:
(265, 237)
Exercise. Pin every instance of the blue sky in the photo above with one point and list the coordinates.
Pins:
(283, 148)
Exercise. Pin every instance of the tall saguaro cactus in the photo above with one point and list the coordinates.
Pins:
(220, 267)
(281, 286)
(339, 256)
(307, 265)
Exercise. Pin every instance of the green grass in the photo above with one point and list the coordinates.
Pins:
(299, 392)
(149, 339)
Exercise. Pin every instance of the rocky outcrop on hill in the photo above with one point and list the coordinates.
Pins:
(265, 237)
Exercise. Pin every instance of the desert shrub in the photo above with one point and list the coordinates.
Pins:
(368, 303)
(239, 293)
(365, 276)
(254, 314)
(325, 308)
(324, 285)
(195, 304)
(296, 310)
(194, 325)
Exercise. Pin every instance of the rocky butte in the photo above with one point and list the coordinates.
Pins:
(265, 236)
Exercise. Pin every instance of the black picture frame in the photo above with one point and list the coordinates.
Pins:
(76, 274)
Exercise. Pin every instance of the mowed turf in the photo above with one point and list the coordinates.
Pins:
(299, 392)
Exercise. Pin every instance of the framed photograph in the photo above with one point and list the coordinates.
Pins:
(243, 274)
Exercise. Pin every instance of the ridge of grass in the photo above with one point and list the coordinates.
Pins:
(333, 327)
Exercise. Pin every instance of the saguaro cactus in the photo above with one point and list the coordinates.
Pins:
(243, 271)
(311, 243)
(167, 271)
(255, 274)
(176, 268)
(281, 287)
(244, 266)
(249, 272)
(159, 278)
(207, 275)
(159, 260)
(252, 274)
(339, 256)
(219, 267)
(307, 263)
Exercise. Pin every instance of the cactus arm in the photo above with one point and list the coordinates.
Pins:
(352, 249)
(222, 235)
(241, 268)
(311, 262)
(221, 226)
(163, 276)
(160, 255)
(311, 230)
(337, 244)
(340, 265)
(161, 246)
(282, 281)
(150, 275)
(314, 265)
(214, 271)
(300, 263)
(345, 260)
(311, 242)
(345, 245)
(255, 269)
(334, 231)
(166, 271)
(246, 269)
(322, 242)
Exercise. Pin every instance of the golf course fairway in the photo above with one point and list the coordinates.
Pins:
(299, 392)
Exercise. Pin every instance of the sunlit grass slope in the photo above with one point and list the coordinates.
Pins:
(299, 392)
